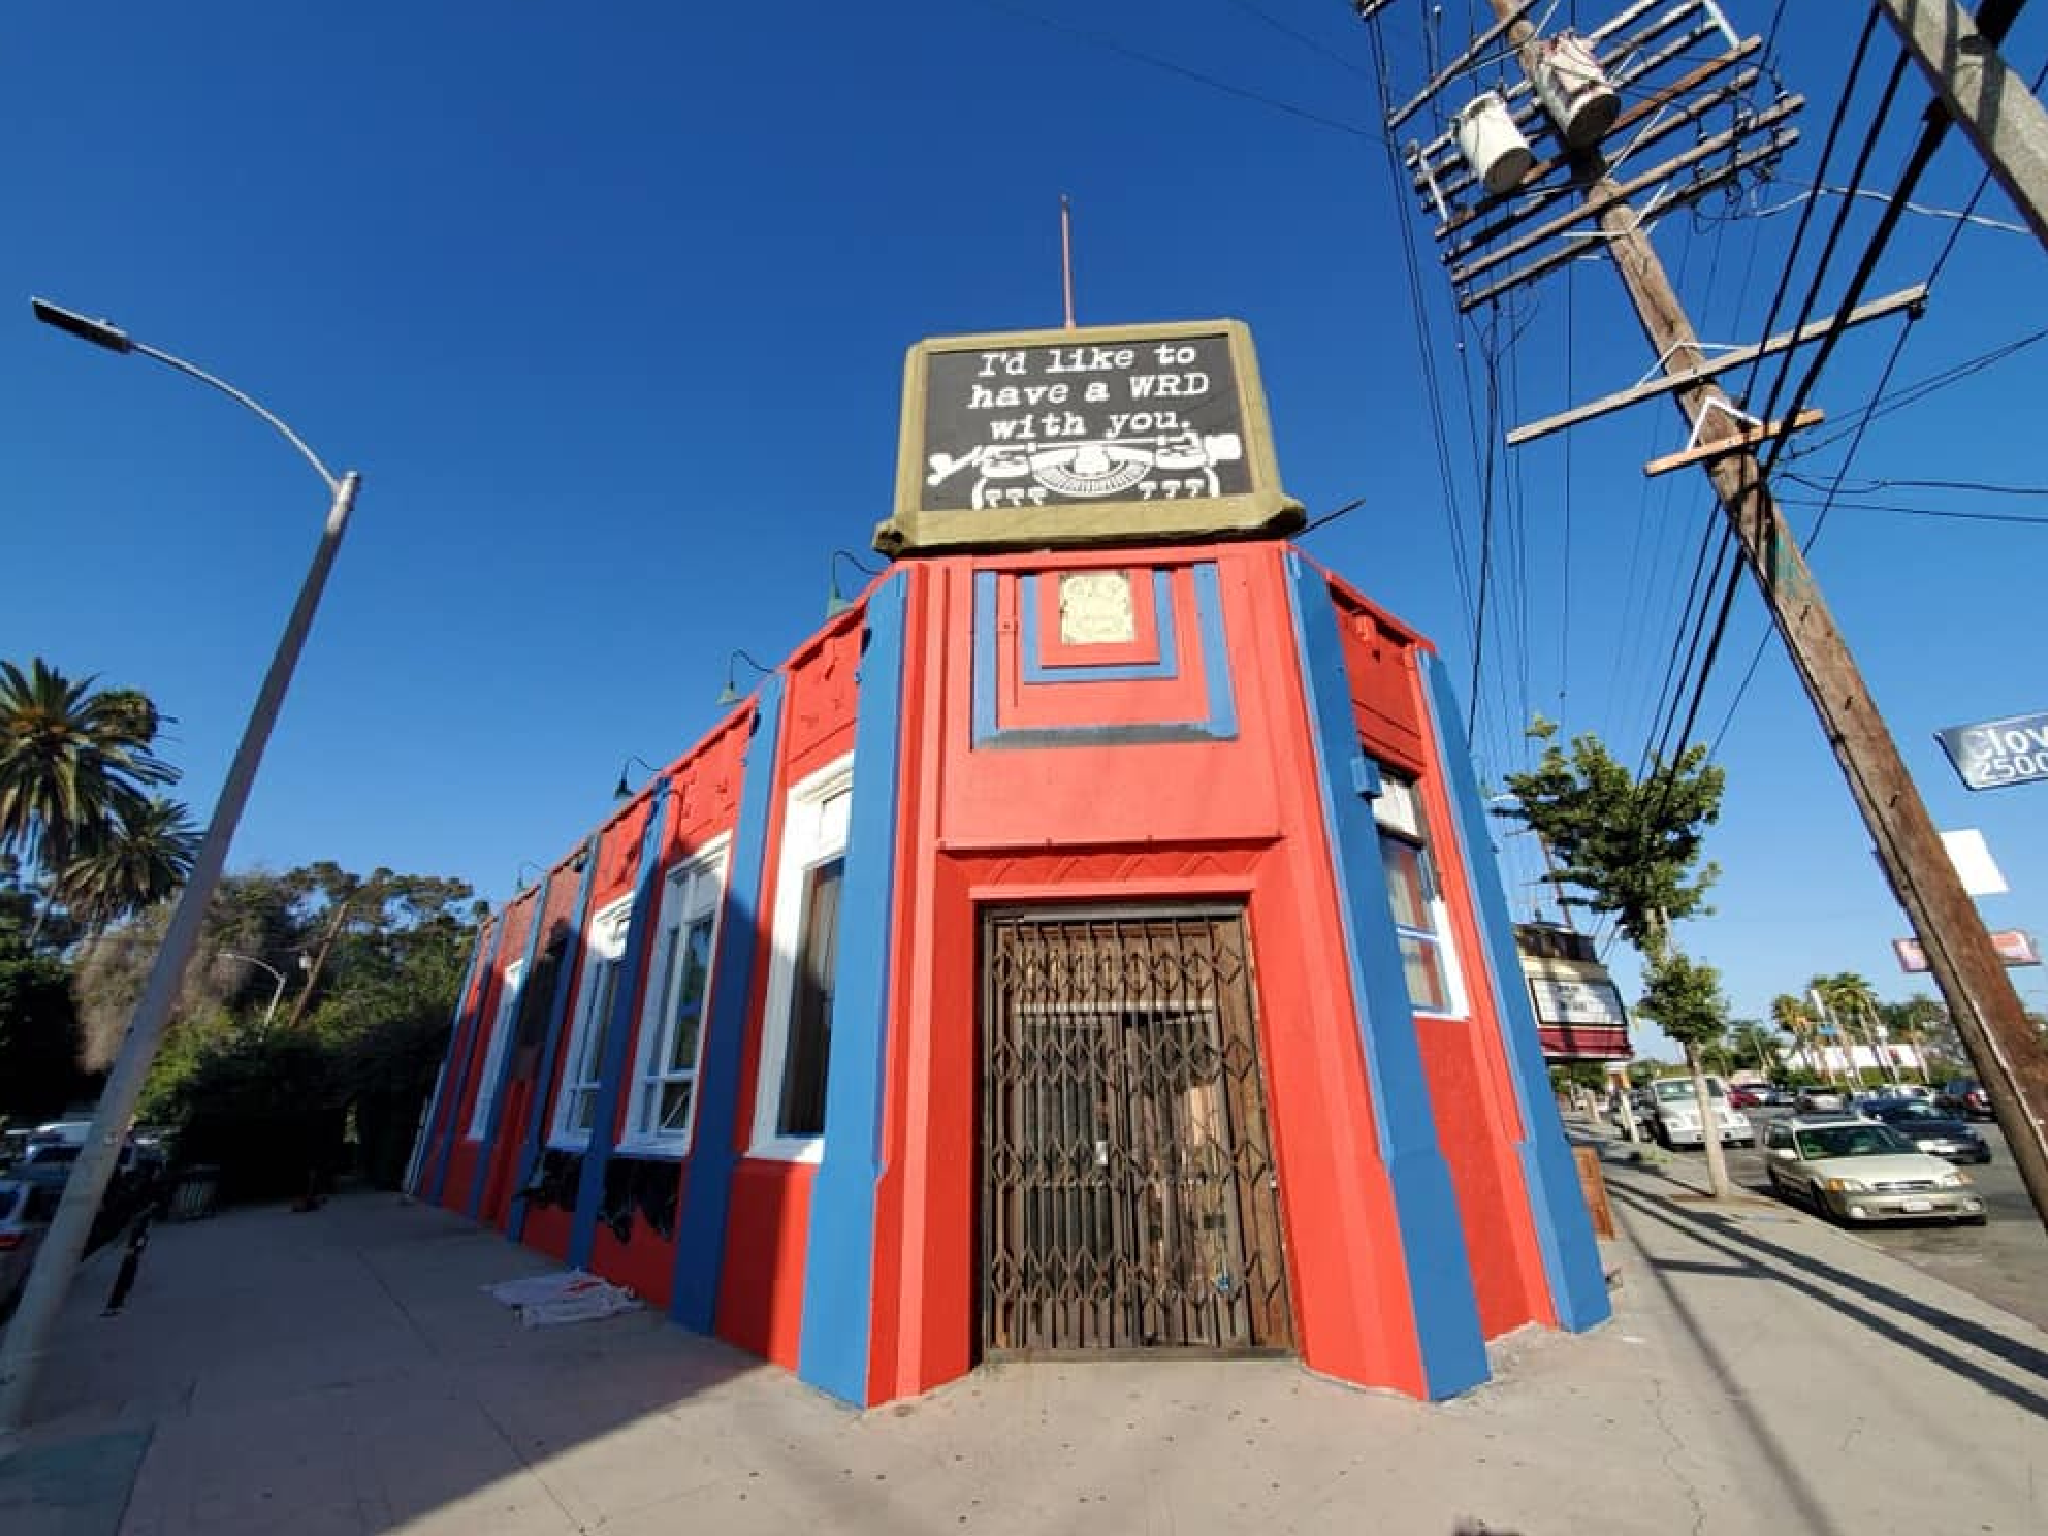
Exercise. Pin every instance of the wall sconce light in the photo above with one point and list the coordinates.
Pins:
(519, 874)
(623, 790)
(836, 602)
(731, 694)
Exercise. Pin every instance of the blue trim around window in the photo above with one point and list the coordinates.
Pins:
(1438, 1266)
(1564, 1230)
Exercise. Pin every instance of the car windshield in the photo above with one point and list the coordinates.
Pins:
(1851, 1141)
(1681, 1088)
(1910, 1109)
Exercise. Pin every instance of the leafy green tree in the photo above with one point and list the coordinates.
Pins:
(39, 1037)
(1789, 1014)
(1631, 848)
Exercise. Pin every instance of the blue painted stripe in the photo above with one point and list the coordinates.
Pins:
(463, 1061)
(985, 654)
(509, 1012)
(1038, 671)
(1564, 1229)
(1220, 725)
(1439, 1270)
(839, 1258)
(423, 1143)
(1215, 652)
(618, 1029)
(706, 1197)
(565, 975)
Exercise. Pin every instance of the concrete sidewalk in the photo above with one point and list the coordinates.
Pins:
(343, 1372)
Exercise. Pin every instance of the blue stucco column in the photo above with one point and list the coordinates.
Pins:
(1441, 1295)
(1564, 1230)
(423, 1143)
(706, 1196)
(509, 1011)
(839, 1260)
(618, 1029)
(462, 1050)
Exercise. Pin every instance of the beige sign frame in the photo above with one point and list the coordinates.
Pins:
(1262, 509)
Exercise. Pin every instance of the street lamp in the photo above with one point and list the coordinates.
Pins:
(277, 992)
(57, 1259)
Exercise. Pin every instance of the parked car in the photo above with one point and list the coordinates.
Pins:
(1930, 1130)
(26, 1210)
(1746, 1096)
(1817, 1097)
(1863, 1170)
(1675, 1114)
(1964, 1096)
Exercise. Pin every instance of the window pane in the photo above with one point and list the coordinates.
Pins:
(810, 1027)
(582, 1109)
(1425, 973)
(682, 1052)
(696, 965)
(1404, 882)
(675, 1108)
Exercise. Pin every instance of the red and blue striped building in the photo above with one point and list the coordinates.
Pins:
(743, 1048)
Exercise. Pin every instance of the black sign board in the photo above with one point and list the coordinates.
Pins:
(1104, 421)
(1077, 436)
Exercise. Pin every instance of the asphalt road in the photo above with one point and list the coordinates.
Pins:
(2004, 1262)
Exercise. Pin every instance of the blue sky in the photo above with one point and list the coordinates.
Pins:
(609, 308)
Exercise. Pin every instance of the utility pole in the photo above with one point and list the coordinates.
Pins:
(1990, 103)
(1981, 1000)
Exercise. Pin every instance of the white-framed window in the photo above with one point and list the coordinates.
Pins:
(1429, 963)
(604, 950)
(494, 1052)
(671, 1036)
(796, 1035)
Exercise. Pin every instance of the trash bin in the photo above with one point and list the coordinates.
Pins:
(194, 1193)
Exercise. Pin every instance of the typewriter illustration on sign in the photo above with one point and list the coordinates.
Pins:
(1177, 467)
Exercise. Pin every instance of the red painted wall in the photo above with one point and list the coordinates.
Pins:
(1237, 818)
(761, 1289)
(1463, 1059)
(466, 1159)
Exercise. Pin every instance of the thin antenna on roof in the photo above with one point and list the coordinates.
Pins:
(1067, 256)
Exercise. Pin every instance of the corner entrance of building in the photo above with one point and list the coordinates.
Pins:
(1130, 1198)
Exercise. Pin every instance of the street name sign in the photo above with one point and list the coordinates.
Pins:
(2014, 947)
(1995, 753)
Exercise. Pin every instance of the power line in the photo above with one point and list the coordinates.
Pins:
(1124, 50)
(2033, 519)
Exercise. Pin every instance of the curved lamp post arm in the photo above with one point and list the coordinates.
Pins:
(194, 371)
(63, 1245)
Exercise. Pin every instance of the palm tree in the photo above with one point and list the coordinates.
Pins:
(1853, 1001)
(133, 865)
(1789, 1014)
(71, 760)
(1753, 1041)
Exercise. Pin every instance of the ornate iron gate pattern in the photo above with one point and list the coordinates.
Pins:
(1130, 1194)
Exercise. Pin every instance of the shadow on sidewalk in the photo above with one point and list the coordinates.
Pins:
(1803, 1499)
(1743, 1245)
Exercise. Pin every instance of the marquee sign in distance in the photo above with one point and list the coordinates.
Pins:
(1091, 436)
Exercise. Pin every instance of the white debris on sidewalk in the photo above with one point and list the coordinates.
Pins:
(568, 1297)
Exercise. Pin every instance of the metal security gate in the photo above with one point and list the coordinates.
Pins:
(1129, 1191)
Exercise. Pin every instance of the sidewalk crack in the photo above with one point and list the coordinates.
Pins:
(1692, 1496)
